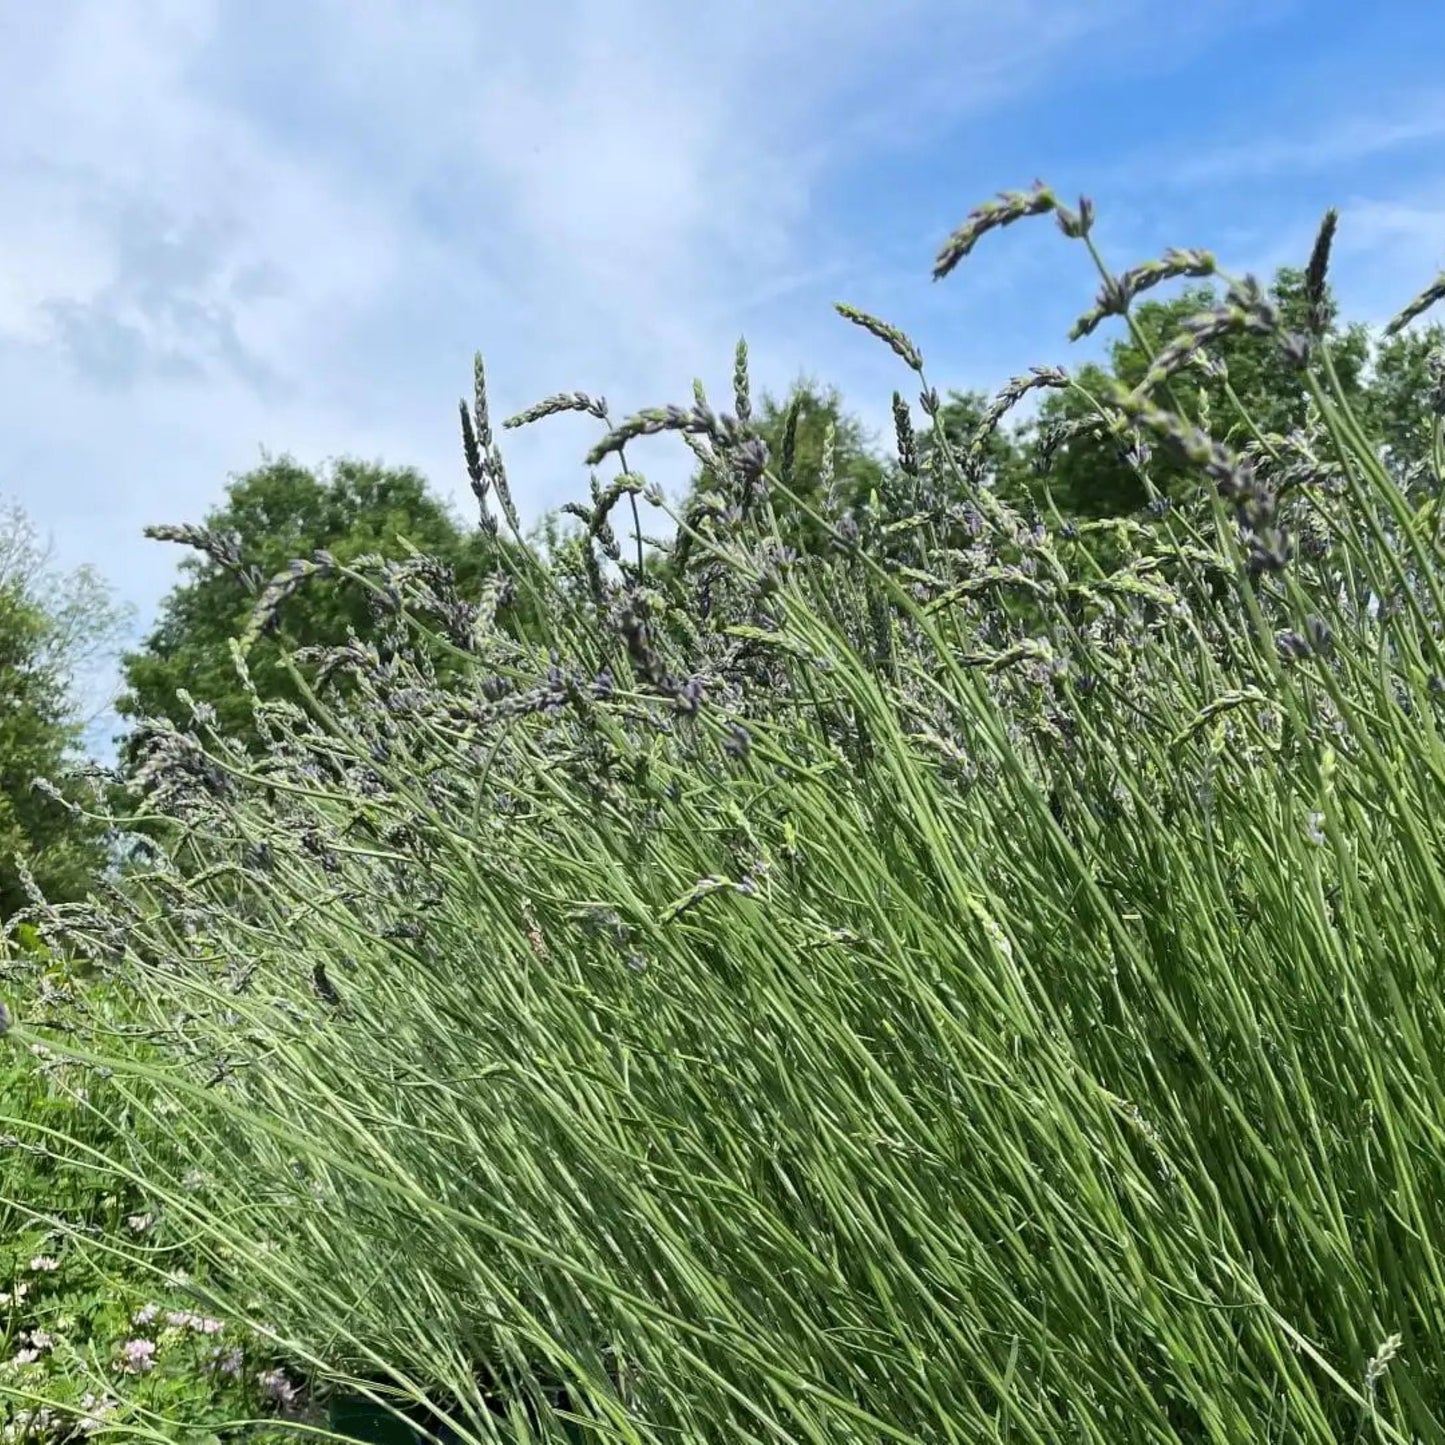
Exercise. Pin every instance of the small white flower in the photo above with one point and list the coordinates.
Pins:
(139, 1223)
(1380, 1361)
(44, 1264)
(96, 1408)
(101, 1404)
(278, 1387)
(228, 1361)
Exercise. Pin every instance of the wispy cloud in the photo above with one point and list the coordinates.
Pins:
(1339, 143)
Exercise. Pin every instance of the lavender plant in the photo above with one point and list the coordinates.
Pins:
(936, 988)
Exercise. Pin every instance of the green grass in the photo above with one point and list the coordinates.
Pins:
(1029, 1033)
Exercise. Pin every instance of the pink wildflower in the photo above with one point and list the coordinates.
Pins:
(138, 1356)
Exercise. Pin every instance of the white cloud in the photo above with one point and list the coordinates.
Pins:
(228, 225)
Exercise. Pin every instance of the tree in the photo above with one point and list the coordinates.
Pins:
(960, 418)
(53, 629)
(808, 412)
(272, 515)
(1089, 475)
(1405, 392)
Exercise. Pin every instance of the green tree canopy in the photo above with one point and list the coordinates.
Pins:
(1089, 476)
(53, 628)
(1404, 391)
(279, 512)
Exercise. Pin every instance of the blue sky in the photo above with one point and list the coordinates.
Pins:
(228, 225)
